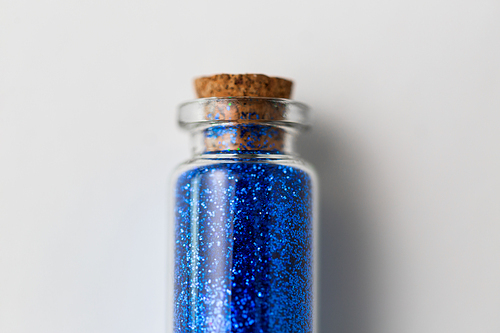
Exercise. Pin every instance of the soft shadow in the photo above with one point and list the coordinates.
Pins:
(343, 244)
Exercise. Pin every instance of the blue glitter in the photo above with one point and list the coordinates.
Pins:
(243, 248)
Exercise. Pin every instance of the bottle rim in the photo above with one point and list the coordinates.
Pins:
(210, 111)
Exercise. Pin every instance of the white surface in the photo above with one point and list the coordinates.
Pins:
(407, 143)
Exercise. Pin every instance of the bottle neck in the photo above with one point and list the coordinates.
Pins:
(243, 138)
(243, 125)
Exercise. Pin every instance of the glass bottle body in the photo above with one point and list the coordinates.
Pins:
(244, 237)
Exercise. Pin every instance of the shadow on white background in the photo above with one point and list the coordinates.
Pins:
(344, 297)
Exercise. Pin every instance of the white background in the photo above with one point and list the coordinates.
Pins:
(406, 97)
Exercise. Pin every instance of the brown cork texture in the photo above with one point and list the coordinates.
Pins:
(240, 85)
(244, 113)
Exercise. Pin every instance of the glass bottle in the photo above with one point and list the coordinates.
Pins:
(244, 215)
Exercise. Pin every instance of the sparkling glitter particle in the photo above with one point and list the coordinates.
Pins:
(243, 249)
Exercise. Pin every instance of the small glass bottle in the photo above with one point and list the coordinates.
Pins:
(244, 214)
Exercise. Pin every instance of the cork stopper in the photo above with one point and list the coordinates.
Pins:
(240, 85)
(245, 112)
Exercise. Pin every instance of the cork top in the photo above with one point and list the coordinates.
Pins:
(242, 85)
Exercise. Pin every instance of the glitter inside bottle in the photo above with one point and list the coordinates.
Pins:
(244, 219)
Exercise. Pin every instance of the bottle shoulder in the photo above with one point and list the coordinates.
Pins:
(204, 161)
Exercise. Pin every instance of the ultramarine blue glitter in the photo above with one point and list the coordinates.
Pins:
(243, 249)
